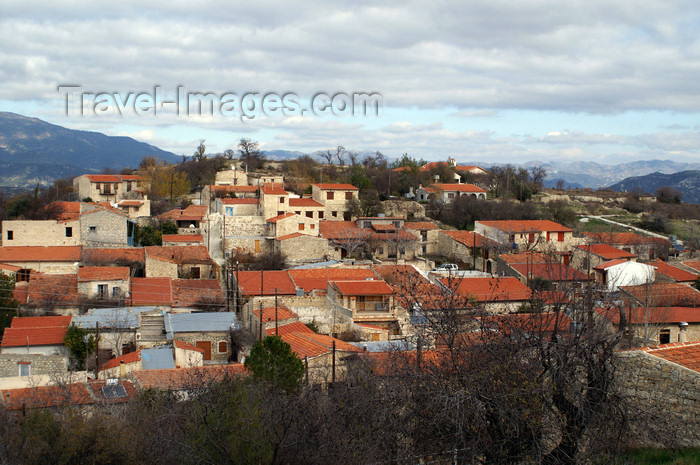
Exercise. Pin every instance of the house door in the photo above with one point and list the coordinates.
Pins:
(257, 246)
(206, 345)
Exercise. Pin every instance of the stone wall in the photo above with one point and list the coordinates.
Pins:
(160, 269)
(40, 233)
(215, 338)
(669, 396)
(103, 229)
(245, 226)
(403, 208)
(303, 248)
(40, 364)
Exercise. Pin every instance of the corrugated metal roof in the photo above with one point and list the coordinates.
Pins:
(199, 322)
(157, 358)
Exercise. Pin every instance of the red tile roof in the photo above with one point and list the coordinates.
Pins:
(105, 256)
(664, 294)
(502, 289)
(183, 238)
(312, 345)
(131, 203)
(53, 289)
(131, 357)
(268, 314)
(466, 188)
(686, 354)
(437, 164)
(642, 315)
(59, 396)
(364, 287)
(625, 238)
(103, 273)
(36, 331)
(606, 251)
(227, 188)
(518, 226)
(103, 178)
(693, 265)
(12, 268)
(527, 257)
(673, 272)
(191, 213)
(296, 327)
(317, 279)
(529, 323)
(63, 211)
(549, 271)
(249, 282)
(420, 225)
(341, 187)
(273, 189)
(194, 292)
(304, 203)
(187, 346)
(131, 177)
(409, 286)
(384, 227)
(288, 236)
(40, 254)
(185, 378)
(610, 263)
(469, 238)
(346, 231)
(277, 218)
(150, 291)
(195, 254)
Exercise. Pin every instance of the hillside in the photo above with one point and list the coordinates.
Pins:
(687, 182)
(33, 151)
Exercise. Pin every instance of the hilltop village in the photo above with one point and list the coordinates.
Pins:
(110, 295)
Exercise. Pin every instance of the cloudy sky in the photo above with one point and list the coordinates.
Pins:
(482, 80)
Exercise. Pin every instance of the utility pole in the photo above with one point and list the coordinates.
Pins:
(333, 372)
(97, 349)
(261, 322)
(276, 319)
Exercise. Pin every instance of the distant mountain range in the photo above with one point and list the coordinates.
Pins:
(33, 151)
(687, 182)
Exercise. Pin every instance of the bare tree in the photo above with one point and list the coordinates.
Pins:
(327, 156)
(340, 155)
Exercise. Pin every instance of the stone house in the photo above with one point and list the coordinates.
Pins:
(522, 235)
(468, 247)
(274, 200)
(54, 293)
(307, 207)
(189, 220)
(104, 282)
(366, 301)
(301, 248)
(660, 295)
(588, 256)
(335, 199)
(265, 178)
(238, 207)
(665, 272)
(232, 177)
(42, 335)
(136, 208)
(289, 223)
(659, 325)
(643, 247)
(246, 234)
(179, 262)
(52, 260)
(108, 187)
(180, 355)
(427, 233)
(496, 294)
(207, 331)
(448, 192)
(182, 240)
(212, 193)
(118, 327)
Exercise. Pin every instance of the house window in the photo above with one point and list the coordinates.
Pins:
(348, 195)
(93, 228)
(102, 291)
(107, 188)
(334, 214)
(664, 336)
(195, 272)
(128, 186)
(367, 224)
(561, 237)
(313, 226)
(10, 235)
(298, 213)
(397, 224)
(97, 186)
(116, 292)
(531, 238)
(547, 236)
(229, 211)
(69, 232)
(281, 199)
(451, 195)
(320, 215)
(223, 347)
(25, 369)
(380, 250)
(309, 214)
(330, 195)
(301, 226)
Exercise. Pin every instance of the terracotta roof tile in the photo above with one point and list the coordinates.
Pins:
(365, 287)
(186, 378)
(625, 238)
(249, 282)
(317, 279)
(131, 357)
(183, 238)
(277, 218)
(529, 323)
(549, 271)
(468, 238)
(664, 294)
(36, 331)
(120, 256)
(296, 327)
(131, 177)
(273, 189)
(55, 289)
(196, 254)
(40, 254)
(103, 273)
(304, 203)
(465, 188)
(686, 354)
(193, 292)
(501, 289)
(692, 265)
(289, 236)
(340, 187)
(610, 263)
(312, 345)
(187, 346)
(420, 225)
(103, 178)
(641, 315)
(268, 314)
(526, 226)
(606, 251)
(673, 272)
(59, 396)
(150, 291)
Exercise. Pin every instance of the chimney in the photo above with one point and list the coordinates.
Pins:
(683, 331)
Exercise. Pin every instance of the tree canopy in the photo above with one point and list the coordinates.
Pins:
(273, 361)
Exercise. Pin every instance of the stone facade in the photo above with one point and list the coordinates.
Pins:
(335, 201)
(232, 177)
(40, 364)
(114, 289)
(217, 339)
(669, 393)
(303, 248)
(293, 224)
(40, 233)
(105, 229)
(156, 268)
